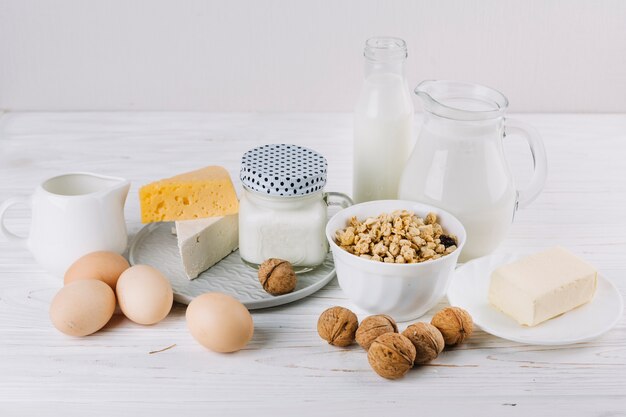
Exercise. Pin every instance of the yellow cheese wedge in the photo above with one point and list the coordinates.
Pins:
(206, 192)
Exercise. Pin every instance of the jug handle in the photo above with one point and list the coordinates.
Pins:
(10, 236)
(538, 152)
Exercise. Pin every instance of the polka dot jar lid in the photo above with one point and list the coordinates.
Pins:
(283, 170)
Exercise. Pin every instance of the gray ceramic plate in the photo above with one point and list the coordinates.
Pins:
(155, 245)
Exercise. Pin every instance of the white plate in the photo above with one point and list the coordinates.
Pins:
(470, 286)
(155, 245)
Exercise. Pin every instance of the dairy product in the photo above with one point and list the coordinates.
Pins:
(542, 286)
(283, 208)
(286, 228)
(206, 192)
(204, 242)
(463, 171)
(486, 226)
(381, 148)
(383, 137)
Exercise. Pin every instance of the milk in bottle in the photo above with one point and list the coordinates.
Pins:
(383, 122)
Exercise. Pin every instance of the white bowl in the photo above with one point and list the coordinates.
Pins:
(402, 291)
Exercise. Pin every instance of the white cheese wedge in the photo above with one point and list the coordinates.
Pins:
(205, 242)
(542, 286)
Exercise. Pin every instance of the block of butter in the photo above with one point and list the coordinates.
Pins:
(206, 192)
(542, 286)
(204, 242)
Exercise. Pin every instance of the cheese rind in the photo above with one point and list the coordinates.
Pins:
(206, 192)
(542, 286)
(204, 242)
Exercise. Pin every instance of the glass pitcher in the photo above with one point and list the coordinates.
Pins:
(458, 162)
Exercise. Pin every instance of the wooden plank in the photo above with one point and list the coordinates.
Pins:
(287, 369)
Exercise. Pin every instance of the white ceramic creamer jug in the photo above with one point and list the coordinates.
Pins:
(458, 162)
(72, 215)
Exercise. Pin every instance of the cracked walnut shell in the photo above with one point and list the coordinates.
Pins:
(337, 325)
(372, 327)
(427, 339)
(391, 355)
(277, 276)
(455, 324)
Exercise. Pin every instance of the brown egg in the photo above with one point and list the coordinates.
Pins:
(219, 322)
(103, 266)
(82, 307)
(144, 294)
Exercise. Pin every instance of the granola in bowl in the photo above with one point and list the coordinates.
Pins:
(397, 237)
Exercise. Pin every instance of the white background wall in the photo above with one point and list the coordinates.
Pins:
(293, 55)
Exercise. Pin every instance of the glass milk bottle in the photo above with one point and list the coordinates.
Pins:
(383, 121)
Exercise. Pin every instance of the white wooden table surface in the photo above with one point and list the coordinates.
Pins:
(287, 369)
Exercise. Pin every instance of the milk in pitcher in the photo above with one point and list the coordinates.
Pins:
(458, 162)
(466, 175)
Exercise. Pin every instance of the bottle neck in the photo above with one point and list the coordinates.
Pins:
(385, 56)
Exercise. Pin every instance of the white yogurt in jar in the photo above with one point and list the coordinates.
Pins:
(283, 210)
(290, 228)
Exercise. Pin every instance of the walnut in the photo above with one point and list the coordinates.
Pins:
(277, 276)
(427, 339)
(455, 324)
(391, 355)
(372, 327)
(337, 325)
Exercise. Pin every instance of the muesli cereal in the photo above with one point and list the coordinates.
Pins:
(400, 237)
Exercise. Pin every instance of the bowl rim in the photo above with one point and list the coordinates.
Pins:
(365, 262)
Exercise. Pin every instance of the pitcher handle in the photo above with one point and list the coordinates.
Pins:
(538, 151)
(10, 236)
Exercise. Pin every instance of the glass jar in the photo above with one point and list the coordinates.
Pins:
(283, 210)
